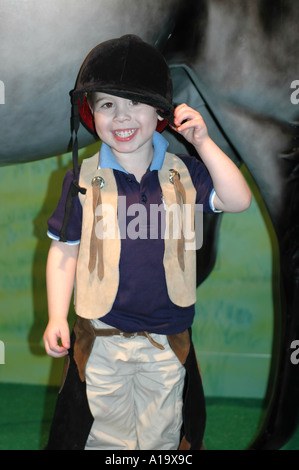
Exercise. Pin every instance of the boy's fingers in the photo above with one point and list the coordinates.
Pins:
(65, 339)
(53, 348)
(56, 351)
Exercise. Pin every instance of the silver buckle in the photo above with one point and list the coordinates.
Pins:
(128, 335)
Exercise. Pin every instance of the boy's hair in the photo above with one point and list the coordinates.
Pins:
(127, 67)
(90, 98)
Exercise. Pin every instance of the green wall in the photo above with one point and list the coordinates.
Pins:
(233, 326)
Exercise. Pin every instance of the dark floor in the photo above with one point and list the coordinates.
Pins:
(26, 412)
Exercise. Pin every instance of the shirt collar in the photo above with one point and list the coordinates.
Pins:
(108, 160)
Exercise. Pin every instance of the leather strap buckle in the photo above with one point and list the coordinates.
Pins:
(128, 335)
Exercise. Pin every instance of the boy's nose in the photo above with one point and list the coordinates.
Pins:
(122, 112)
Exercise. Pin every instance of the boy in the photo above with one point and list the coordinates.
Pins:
(131, 378)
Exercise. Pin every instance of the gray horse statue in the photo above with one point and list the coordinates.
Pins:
(236, 61)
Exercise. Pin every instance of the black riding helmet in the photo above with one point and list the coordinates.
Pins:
(126, 67)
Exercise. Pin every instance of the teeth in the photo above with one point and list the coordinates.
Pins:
(125, 134)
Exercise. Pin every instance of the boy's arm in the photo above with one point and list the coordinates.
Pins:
(232, 191)
(61, 267)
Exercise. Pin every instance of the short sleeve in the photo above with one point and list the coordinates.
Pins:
(73, 231)
(202, 182)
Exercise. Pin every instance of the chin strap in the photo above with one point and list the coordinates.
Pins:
(74, 187)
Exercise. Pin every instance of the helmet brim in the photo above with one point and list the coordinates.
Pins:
(164, 110)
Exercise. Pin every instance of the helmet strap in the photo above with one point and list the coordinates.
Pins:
(74, 187)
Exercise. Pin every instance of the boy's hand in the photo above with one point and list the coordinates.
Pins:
(190, 125)
(55, 331)
(232, 191)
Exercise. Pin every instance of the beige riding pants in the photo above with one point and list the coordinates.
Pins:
(135, 393)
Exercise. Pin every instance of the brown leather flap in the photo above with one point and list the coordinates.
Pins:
(180, 344)
(85, 337)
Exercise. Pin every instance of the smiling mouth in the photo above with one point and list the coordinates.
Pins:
(125, 134)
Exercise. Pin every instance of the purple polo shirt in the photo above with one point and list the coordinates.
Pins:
(142, 302)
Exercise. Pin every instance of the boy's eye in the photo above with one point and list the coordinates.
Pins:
(133, 102)
(103, 105)
(107, 105)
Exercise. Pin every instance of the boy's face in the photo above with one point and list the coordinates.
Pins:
(126, 126)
